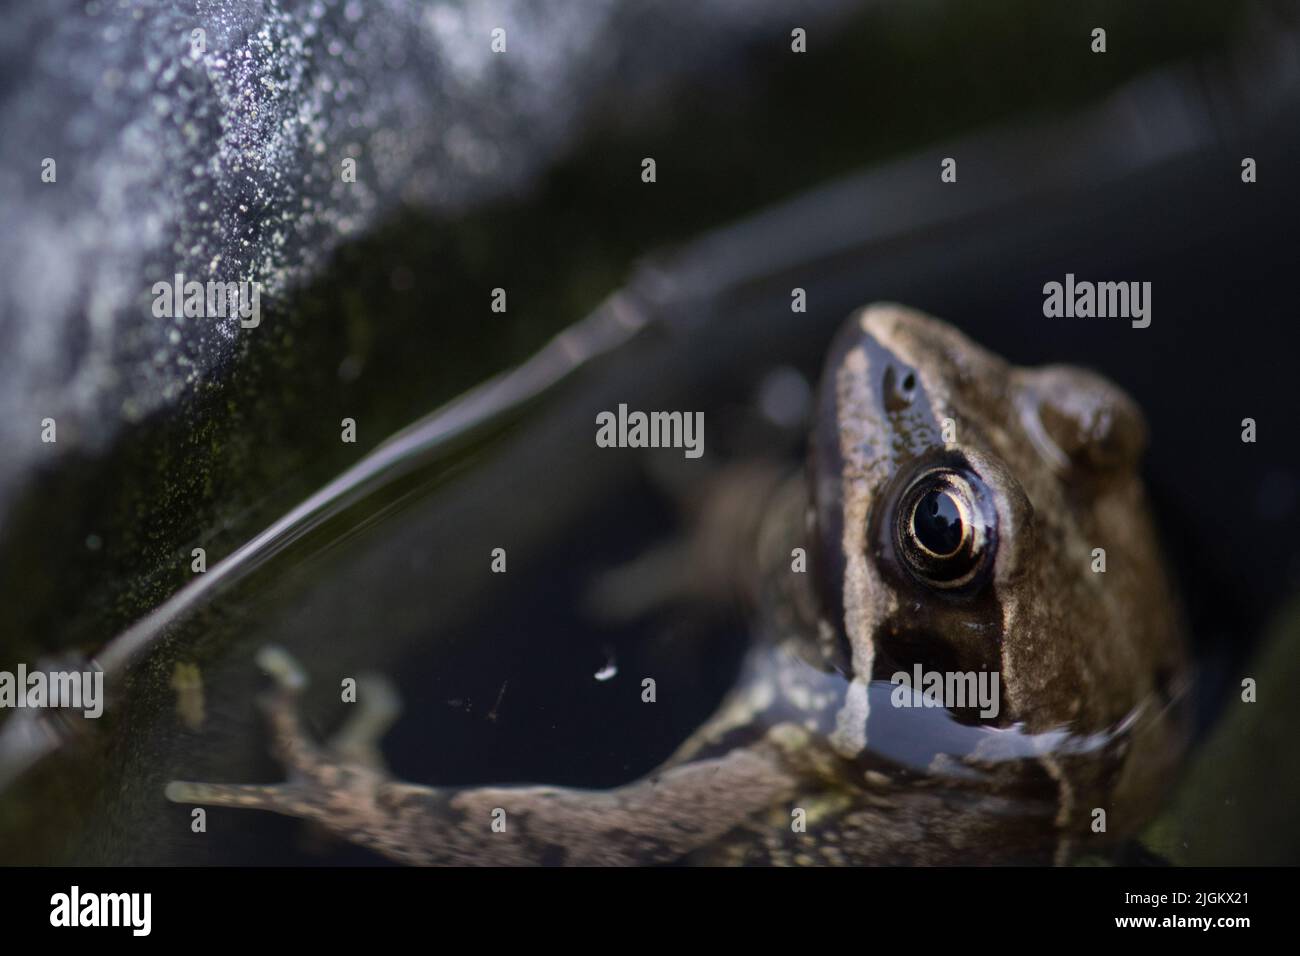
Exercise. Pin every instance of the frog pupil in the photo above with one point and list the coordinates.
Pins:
(937, 522)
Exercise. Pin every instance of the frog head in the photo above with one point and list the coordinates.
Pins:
(971, 516)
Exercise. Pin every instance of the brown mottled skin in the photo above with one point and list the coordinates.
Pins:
(809, 761)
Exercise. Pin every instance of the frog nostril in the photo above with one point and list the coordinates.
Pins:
(899, 389)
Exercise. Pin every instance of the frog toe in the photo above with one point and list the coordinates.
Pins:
(377, 707)
(283, 668)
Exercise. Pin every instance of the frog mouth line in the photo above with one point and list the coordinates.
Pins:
(933, 741)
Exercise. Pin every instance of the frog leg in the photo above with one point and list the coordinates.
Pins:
(710, 561)
(657, 819)
(656, 578)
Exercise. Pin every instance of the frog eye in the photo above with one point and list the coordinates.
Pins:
(1081, 422)
(946, 528)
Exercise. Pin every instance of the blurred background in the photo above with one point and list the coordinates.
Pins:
(522, 171)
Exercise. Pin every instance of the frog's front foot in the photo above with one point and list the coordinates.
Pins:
(323, 780)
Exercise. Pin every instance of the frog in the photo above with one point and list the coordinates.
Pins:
(955, 514)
